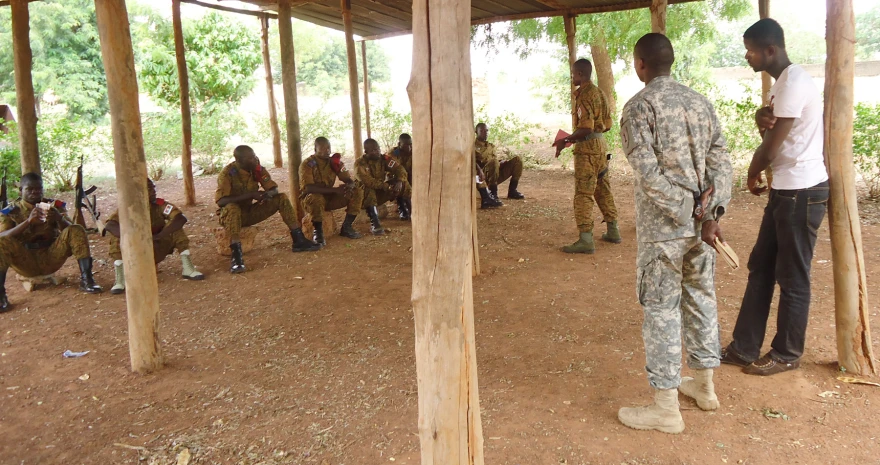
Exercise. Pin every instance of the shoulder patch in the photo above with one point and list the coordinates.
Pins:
(160, 201)
(391, 163)
(59, 204)
(233, 171)
(7, 210)
(312, 163)
(167, 210)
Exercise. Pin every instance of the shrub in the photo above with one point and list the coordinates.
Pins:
(512, 135)
(10, 158)
(64, 143)
(387, 124)
(737, 119)
(866, 146)
(163, 142)
(212, 129)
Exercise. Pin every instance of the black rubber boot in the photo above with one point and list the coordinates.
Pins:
(347, 228)
(402, 209)
(86, 280)
(318, 235)
(512, 193)
(300, 243)
(4, 301)
(408, 209)
(237, 259)
(487, 200)
(494, 190)
(375, 225)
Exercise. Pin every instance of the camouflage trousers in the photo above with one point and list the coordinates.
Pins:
(233, 216)
(373, 197)
(591, 184)
(47, 260)
(676, 288)
(496, 172)
(316, 204)
(162, 248)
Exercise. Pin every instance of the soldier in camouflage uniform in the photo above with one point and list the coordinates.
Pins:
(166, 224)
(496, 172)
(238, 187)
(590, 161)
(403, 155)
(683, 178)
(372, 170)
(36, 237)
(317, 178)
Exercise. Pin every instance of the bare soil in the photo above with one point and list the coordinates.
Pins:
(309, 358)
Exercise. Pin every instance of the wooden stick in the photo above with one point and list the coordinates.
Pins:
(854, 351)
(141, 288)
(231, 10)
(352, 79)
(26, 104)
(570, 23)
(658, 16)
(189, 187)
(440, 91)
(270, 93)
(366, 88)
(291, 108)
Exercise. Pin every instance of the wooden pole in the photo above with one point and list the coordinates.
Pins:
(440, 91)
(270, 92)
(352, 78)
(366, 88)
(766, 82)
(24, 88)
(854, 351)
(141, 288)
(291, 108)
(189, 186)
(658, 16)
(570, 23)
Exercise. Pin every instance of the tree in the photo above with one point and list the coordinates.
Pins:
(66, 57)
(868, 32)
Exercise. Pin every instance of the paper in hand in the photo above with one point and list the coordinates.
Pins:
(561, 135)
(727, 253)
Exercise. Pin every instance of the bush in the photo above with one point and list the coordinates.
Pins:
(311, 126)
(866, 146)
(387, 124)
(64, 144)
(163, 142)
(511, 135)
(10, 158)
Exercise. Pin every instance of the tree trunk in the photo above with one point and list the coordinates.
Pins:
(604, 73)
(291, 110)
(185, 113)
(570, 23)
(366, 88)
(854, 350)
(24, 88)
(352, 79)
(658, 16)
(440, 91)
(141, 288)
(270, 93)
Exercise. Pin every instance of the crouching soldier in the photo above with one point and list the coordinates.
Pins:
(166, 225)
(317, 178)
(371, 170)
(36, 237)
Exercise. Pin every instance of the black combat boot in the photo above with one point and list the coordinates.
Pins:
(487, 201)
(512, 193)
(237, 258)
(494, 190)
(300, 243)
(86, 280)
(347, 228)
(402, 209)
(375, 225)
(318, 235)
(4, 301)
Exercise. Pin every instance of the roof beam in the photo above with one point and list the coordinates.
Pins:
(259, 14)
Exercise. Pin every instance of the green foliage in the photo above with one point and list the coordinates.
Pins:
(66, 57)
(804, 47)
(866, 146)
(163, 142)
(63, 143)
(388, 124)
(512, 135)
(10, 157)
(737, 119)
(868, 33)
(212, 129)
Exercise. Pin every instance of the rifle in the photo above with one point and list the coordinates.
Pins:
(4, 201)
(83, 201)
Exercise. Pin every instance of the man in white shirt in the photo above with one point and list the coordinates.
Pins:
(792, 131)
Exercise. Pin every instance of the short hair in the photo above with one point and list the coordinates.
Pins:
(241, 150)
(322, 140)
(31, 177)
(404, 136)
(477, 127)
(656, 51)
(584, 66)
(766, 32)
(368, 141)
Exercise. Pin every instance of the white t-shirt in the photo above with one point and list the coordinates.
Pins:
(800, 162)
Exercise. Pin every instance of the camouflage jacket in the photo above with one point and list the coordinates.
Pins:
(18, 212)
(372, 173)
(233, 180)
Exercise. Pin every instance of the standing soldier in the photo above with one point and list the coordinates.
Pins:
(371, 170)
(683, 177)
(238, 187)
(590, 160)
(166, 224)
(36, 237)
(496, 172)
(317, 178)
(403, 154)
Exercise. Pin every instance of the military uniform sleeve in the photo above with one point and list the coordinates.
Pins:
(585, 114)
(719, 171)
(6, 224)
(266, 179)
(639, 144)
(366, 177)
(306, 173)
(344, 174)
(395, 169)
(224, 185)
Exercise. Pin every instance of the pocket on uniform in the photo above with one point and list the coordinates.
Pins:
(648, 282)
(816, 207)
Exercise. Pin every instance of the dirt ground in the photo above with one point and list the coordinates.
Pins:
(309, 358)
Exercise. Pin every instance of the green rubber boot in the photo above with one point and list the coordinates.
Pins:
(613, 234)
(583, 245)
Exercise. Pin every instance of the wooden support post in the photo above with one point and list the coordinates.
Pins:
(270, 92)
(291, 109)
(189, 186)
(366, 89)
(440, 92)
(352, 79)
(854, 351)
(141, 288)
(570, 31)
(766, 80)
(658, 16)
(24, 87)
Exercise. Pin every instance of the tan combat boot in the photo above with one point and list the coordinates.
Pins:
(701, 389)
(663, 415)
(189, 270)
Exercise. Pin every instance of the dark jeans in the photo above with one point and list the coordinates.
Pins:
(782, 254)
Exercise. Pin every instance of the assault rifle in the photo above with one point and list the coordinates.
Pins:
(4, 200)
(83, 201)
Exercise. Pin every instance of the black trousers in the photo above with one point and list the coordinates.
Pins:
(782, 255)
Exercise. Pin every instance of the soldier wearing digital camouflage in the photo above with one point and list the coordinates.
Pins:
(317, 179)
(37, 237)
(166, 226)
(403, 155)
(238, 188)
(383, 179)
(683, 178)
(590, 161)
(495, 172)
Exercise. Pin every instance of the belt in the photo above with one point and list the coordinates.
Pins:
(38, 245)
(590, 136)
(794, 192)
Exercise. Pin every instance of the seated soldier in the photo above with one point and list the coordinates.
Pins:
(36, 237)
(403, 154)
(317, 178)
(238, 187)
(487, 200)
(372, 170)
(496, 172)
(166, 223)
